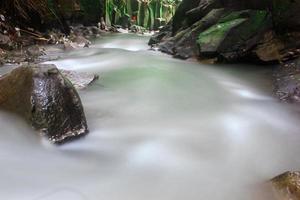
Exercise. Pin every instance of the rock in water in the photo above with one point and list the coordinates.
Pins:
(287, 186)
(80, 80)
(44, 97)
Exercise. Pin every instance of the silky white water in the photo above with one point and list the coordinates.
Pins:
(160, 129)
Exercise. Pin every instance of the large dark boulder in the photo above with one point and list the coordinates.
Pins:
(204, 7)
(235, 35)
(46, 99)
(183, 44)
(179, 19)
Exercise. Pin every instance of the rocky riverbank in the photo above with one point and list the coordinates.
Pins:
(43, 95)
(261, 32)
(28, 45)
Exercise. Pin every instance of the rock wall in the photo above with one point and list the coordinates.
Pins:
(232, 30)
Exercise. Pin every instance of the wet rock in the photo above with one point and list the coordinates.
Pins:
(183, 43)
(2, 56)
(165, 32)
(287, 81)
(81, 41)
(270, 48)
(85, 31)
(95, 30)
(202, 10)
(113, 29)
(180, 20)
(34, 51)
(235, 35)
(80, 80)
(102, 24)
(122, 30)
(55, 37)
(69, 46)
(287, 186)
(2, 17)
(5, 41)
(159, 23)
(45, 98)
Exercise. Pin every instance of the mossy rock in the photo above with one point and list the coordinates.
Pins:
(210, 40)
(46, 99)
(234, 34)
(185, 44)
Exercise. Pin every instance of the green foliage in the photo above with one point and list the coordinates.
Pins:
(143, 12)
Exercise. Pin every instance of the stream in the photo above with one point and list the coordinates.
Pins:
(160, 129)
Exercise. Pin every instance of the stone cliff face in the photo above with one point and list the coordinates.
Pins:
(232, 30)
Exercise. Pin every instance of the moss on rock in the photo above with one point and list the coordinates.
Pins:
(233, 33)
(210, 40)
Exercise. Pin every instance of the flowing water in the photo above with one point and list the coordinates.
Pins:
(160, 129)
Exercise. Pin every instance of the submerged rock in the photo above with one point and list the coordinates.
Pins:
(81, 41)
(45, 98)
(287, 186)
(80, 80)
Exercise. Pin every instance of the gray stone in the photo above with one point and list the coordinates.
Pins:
(80, 80)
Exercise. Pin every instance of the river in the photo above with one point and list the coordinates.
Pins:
(160, 129)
